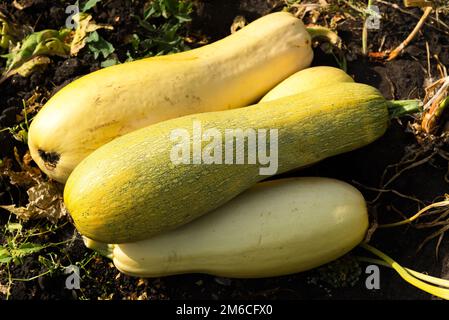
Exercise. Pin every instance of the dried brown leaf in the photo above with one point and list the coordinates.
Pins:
(32, 105)
(45, 197)
(85, 25)
(336, 19)
(26, 69)
(27, 177)
(45, 201)
(4, 289)
(238, 23)
(22, 4)
(20, 179)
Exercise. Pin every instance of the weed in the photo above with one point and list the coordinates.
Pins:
(99, 46)
(20, 241)
(89, 4)
(20, 131)
(161, 28)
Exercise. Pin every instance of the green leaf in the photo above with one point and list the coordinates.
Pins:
(182, 18)
(5, 256)
(150, 12)
(128, 59)
(135, 41)
(109, 63)
(180, 10)
(162, 28)
(89, 5)
(14, 227)
(93, 37)
(97, 45)
(27, 248)
(47, 42)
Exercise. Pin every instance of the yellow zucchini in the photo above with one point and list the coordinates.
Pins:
(129, 189)
(230, 73)
(307, 79)
(275, 228)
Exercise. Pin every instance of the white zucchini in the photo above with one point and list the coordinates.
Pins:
(275, 228)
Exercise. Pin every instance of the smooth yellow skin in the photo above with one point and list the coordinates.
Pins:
(275, 228)
(307, 79)
(130, 190)
(231, 73)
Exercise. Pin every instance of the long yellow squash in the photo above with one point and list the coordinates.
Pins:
(227, 74)
(130, 189)
(275, 228)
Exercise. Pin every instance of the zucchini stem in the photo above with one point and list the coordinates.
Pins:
(322, 33)
(106, 250)
(421, 276)
(413, 280)
(399, 108)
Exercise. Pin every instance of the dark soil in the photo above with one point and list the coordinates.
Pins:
(403, 78)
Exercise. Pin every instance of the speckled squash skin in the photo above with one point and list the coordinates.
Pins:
(231, 73)
(130, 190)
(274, 228)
